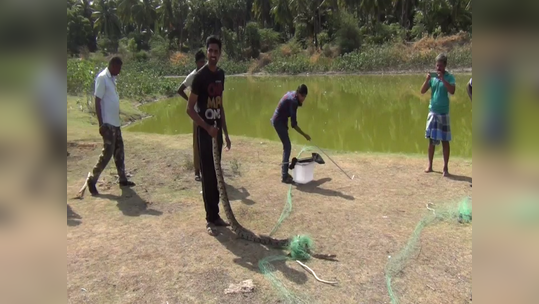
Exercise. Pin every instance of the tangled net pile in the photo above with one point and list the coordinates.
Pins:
(298, 249)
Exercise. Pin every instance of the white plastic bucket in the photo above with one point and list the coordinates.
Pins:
(303, 172)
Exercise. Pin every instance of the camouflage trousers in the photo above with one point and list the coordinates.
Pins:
(113, 145)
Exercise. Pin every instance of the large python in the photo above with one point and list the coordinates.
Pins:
(237, 228)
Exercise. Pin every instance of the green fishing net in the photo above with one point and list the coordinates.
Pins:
(465, 211)
(299, 250)
(300, 245)
(287, 210)
(461, 212)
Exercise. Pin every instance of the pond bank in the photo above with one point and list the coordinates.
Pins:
(388, 72)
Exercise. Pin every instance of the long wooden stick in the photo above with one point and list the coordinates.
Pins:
(82, 190)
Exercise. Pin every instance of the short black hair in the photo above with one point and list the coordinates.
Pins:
(199, 55)
(115, 61)
(302, 89)
(442, 57)
(213, 40)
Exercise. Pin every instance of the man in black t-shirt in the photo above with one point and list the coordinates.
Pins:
(207, 94)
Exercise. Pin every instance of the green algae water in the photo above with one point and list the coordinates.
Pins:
(375, 113)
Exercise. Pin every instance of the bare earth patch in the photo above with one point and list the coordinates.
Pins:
(148, 244)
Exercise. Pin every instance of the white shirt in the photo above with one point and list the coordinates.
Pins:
(188, 82)
(105, 88)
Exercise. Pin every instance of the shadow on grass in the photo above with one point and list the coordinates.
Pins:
(73, 219)
(249, 254)
(455, 177)
(314, 187)
(460, 178)
(130, 203)
(239, 194)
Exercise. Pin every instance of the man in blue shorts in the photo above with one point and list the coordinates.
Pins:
(438, 127)
(287, 107)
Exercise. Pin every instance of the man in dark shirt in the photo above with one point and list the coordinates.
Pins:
(207, 95)
(287, 107)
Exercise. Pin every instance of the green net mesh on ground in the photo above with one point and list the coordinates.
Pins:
(297, 249)
(461, 212)
(288, 205)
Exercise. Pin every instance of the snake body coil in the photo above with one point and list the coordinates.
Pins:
(238, 229)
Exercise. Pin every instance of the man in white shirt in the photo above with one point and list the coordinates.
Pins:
(107, 106)
(200, 60)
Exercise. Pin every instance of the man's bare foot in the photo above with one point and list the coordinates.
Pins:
(445, 173)
(428, 170)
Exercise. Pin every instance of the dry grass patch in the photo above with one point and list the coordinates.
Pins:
(263, 60)
(148, 244)
(442, 44)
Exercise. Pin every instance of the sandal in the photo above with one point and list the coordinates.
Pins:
(210, 229)
(197, 178)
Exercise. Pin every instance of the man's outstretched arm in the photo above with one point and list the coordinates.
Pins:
(294, 122)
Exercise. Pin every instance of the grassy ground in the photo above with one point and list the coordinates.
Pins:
(148, 244)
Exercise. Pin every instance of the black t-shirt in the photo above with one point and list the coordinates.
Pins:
(209, 86)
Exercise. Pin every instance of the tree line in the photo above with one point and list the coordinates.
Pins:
(249, 27)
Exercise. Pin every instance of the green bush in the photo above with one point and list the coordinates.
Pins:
(252, 37)
(269, 39)
(142, 73)
(136, 81)
(158, 48)
(348, 36)
(141, 55)
(323, 38)
(231, 45)
(107, 45)
(294, 64)
(302, 34)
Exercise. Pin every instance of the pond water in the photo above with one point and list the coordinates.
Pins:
(375, 113)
